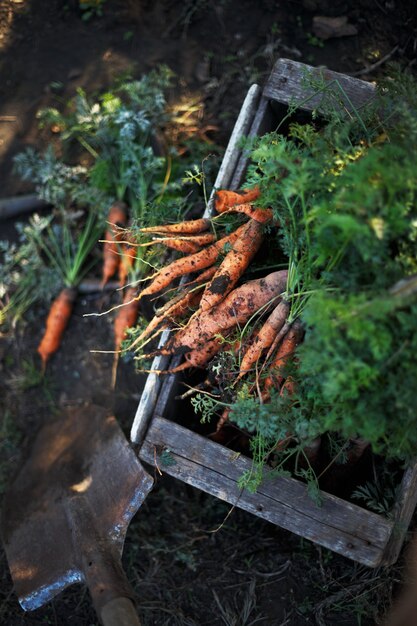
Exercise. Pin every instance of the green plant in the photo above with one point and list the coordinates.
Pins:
(67, 251)
(91, 8)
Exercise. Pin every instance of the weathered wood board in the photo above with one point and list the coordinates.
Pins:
(339, 525)
(336, 524)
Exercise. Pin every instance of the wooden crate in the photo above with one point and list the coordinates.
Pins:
(337, 524)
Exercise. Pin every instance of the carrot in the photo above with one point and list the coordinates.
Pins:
(234, 264)
(189, 244)
(194, 262)
(128, 256)
(126, 318)
(224, 417)
(179, 245)
(264, 338)
(111, 260)
(176, 310)
(186, 227)
(225, 199)
(56, 322)
(282, 356)
(259, 215)
(197, 358)
(238, 306)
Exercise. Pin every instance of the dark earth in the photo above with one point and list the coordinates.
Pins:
(191, 560)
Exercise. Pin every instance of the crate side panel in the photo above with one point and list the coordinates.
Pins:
(288, 83)
(403, 512)
(337, 525)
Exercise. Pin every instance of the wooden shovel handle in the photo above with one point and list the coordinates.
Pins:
(119, 612)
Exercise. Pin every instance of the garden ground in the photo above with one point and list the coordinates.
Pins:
(189, 561)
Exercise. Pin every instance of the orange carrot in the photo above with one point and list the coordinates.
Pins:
(176, 309)
(128, 256)
(234, 265)
(282, 356)
(264, 338)
(226, 199)
(224, 417)
(186, 265)
(197, 358)
(238, 306)
(186, 227)
(116, 217)
(126, 317)
(57, 320)
(180, 245)
(259, 215)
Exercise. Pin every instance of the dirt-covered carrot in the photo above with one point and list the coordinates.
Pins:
(283, 355)
(188, 244)
(189, 264)
(238, 306)
(56, 323)
(225, 199)
(117, 217)
(259, 215)
(180, 245)
(233, 265)
(197, 358)
(125, 318)
(264, 338)
(187, 227)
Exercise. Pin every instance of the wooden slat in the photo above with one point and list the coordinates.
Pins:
(289, 83)
(336, 524)
(402, 514)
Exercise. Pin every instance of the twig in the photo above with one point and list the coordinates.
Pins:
(374, 66)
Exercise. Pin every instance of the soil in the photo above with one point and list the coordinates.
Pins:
(190, 559)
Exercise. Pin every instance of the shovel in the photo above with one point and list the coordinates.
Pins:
(66, 515)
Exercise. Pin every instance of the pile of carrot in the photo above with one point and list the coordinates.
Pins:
(214, 300)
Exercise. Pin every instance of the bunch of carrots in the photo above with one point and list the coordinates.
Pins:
(212, 301)
(118, 258)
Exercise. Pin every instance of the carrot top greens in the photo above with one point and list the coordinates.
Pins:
(344, 192)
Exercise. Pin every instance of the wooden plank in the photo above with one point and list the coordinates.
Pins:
(403, 512)
(262, 123)
(289, 83)
(233, 150)
(338, 525)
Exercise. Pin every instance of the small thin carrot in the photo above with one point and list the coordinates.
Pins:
(117, 217)
(233, 265)
(281, 358)
(56, 323)
(264, 338)
(128, 257)
(196, 358)
(224, 417)
(224, 199)
(126, 318)
(259, 215)
(180, 245)
(186, 227)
